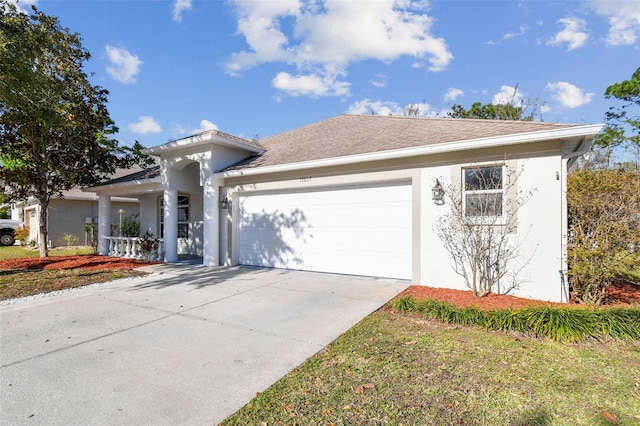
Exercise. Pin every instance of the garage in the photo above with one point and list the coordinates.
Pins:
(357, 230)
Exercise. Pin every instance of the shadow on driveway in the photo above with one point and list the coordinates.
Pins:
(186, 344)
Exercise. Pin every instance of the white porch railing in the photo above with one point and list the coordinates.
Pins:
(129, 247)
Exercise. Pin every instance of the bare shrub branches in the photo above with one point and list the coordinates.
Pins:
(480, 232)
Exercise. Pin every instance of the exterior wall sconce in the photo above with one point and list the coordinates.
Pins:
(437, 193)
(224, 203)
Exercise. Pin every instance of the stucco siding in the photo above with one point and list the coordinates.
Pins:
(68, 217)
(539, 229)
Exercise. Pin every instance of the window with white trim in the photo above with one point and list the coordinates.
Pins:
(183, 216)
(483, 192)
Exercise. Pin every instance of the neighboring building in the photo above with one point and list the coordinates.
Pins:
(71, 214)
(353, 195)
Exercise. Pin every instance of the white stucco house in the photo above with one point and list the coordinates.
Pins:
(352, 194)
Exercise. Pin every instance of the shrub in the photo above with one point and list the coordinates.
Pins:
(148, 245)
(70, 239)
(130, 226)
(22, 234)
(570, 324)
(604, 230)
(91, 231)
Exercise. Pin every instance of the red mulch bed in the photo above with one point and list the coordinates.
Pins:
(618, 294)
(92, 262)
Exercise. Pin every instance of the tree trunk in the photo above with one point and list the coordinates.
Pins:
(474, 284)
(42, 228)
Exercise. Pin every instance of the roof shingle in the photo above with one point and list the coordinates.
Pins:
(349, 134)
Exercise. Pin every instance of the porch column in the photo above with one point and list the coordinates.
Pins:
(170, 236)
(210, 231)
(104, 224)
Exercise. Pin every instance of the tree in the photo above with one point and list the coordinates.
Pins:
(623, 126)
(55, 130)
(4, 212)
(513, 109)
(479, 230)
(604, 231)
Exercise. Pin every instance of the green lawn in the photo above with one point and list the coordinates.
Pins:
(400, 369)
(20, 282)
(17, 252)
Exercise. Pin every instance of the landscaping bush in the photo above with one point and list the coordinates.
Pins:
(604, 231)
(567, 324)
(22, 234)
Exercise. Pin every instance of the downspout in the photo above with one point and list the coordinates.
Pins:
(582, 149)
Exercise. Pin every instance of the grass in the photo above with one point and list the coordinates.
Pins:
(398, 368)
(401, 369)
(20, 282)
(559, 323)
(17, 252)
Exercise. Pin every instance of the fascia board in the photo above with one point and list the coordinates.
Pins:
(146, 185)
(198, 140)
(470, 144)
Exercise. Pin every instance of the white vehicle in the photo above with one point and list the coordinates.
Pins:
(7, 231)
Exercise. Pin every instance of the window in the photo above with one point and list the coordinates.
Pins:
(183, 216)
(482, 192)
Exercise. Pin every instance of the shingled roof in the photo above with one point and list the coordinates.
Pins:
(350, 134)
(120, 175)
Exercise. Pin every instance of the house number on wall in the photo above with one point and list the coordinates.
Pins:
(305, 179)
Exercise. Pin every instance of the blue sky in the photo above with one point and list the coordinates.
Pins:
(258, 68)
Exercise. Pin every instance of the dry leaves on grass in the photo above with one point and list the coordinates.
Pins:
(361, 388)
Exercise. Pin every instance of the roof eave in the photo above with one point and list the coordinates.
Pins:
(121, 185)
(199, 140)
(587, 132)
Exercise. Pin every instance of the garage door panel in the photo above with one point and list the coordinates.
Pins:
(361, 231)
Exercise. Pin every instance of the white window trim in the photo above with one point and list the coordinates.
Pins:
(179, 222)
(484, 220)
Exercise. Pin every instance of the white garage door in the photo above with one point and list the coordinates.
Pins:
(354, 230)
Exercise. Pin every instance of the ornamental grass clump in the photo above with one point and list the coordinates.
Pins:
(563, 324)
(566, 324)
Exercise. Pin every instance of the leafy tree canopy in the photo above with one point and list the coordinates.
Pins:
(55, 130)
(4, 211)
(514, 109)
(623, 122)
(490, 111)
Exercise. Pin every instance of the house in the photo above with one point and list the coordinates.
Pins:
(352, 194)
(71, 214)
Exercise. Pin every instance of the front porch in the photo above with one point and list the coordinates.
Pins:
(132, 248)
(181, 201)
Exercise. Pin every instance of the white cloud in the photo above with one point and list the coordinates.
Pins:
(380, 80)
(452, 94)
(23, 5)
(124, 66)
(180, 130)
(506, 95)
(568, 95)
(322, 37)
(146, 124)
(367, 106)
(204, 126)
(623, 17)
(179, 7)
(310, 85)
(522, 30)
(574, 33)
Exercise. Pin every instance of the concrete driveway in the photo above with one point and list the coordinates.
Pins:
(187, 345)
